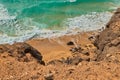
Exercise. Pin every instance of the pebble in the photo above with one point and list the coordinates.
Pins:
(49, 76)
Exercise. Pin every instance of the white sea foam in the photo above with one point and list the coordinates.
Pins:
(72, 0)
(90, 21)
(6, 21)
(4, 13)
(87, 22)
(9, 24)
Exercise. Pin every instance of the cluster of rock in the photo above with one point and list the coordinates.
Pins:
(106, 45)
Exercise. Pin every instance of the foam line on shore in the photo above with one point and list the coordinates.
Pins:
(90, 21)
(87, 22)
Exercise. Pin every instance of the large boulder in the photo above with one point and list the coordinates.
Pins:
(21, 52)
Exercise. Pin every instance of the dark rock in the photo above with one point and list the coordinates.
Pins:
(70, 43)
(92, 38)
(76, 50)
(73, 60)
(22, 52)
(85, 52)
(88, 59)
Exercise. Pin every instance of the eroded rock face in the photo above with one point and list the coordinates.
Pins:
(21, 52)
(108, 42)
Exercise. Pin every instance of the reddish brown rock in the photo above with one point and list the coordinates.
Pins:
(21, 52)
(108, 42)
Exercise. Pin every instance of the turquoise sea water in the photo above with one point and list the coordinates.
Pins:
(26, 15)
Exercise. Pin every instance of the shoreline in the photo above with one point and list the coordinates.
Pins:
(87, 55)
(81, 23)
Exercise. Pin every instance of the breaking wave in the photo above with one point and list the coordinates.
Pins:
(86, 22)
(92, 21)
(20, 27)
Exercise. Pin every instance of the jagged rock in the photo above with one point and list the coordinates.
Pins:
(108, 42)
(21, 52)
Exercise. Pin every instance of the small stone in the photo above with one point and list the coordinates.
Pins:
(108, 55)
(85, 52)
(49, 76)
(70, 43)
(91, 38)
(71, 68)
(113, 57)
(80, 64)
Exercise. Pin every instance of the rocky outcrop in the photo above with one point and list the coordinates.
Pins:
(79, 54)
(21, 52)
(108, 42)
